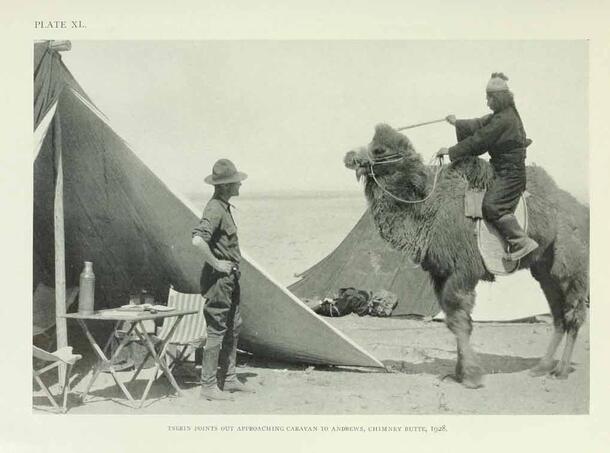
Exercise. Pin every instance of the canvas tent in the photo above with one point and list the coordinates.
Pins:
(364, 260)
(118, 214)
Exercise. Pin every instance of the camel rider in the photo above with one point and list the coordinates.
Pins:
(502, 135)
(216, 237)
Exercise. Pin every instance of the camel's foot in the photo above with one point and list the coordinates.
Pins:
(472, 376)
(561, 371)
(453, 377)
(473, 381)
(469, 376)
(542, 368)
(561, 376)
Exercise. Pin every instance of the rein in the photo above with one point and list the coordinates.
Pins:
(391, 160)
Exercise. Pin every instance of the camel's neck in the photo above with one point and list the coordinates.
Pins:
(399, 222)
(411, 184)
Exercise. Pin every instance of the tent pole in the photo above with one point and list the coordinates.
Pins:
(60, 252)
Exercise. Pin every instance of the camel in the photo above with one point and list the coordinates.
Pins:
(423, 216)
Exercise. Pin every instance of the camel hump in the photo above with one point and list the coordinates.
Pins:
(478, 172)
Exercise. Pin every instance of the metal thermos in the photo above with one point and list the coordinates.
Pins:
(87, 289)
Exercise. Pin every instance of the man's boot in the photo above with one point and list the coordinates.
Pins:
(209, 385)
(231, 383)
(519, 244)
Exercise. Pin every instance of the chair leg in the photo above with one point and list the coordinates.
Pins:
(46, 391)
(67, 388)
(178, 360)
(192, 371)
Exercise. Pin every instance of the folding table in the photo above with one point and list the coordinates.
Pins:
(136, 319)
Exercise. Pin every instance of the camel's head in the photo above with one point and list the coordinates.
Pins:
(388, 152)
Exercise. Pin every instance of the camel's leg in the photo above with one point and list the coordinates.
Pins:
(546, 363)
(575, 286)
(438, 283)
(562, 369)
(457, 299)
(573, 318)
(555, 298)
(567, 300)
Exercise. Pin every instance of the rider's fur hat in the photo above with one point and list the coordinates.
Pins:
(497, 83)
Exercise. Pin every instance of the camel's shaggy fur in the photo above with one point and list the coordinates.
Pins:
(436, 234)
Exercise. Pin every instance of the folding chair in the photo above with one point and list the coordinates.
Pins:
(190, 334)
(63, 355)
(43, 315)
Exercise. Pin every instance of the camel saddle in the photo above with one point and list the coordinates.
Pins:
(492, 245)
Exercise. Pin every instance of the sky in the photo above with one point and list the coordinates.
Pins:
(286, 112)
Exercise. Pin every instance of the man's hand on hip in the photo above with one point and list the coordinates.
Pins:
(226, 267)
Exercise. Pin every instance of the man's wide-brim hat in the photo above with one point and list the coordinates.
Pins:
(224, 172)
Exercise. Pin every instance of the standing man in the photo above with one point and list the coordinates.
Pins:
(216, 237)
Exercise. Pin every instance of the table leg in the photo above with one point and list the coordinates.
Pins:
(97, 368)
(94, 375)
(159, 359)
(136, 374)
(162, 355)
(111, 337)
(121, 345)
(149, 383)
(103, 361)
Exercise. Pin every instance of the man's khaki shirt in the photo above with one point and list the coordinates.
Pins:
(218, 229)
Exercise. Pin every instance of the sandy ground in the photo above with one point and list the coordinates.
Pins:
(417, 353)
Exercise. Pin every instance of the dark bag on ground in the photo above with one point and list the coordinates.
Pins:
(361, 302)
(382, 303)
(349, 300)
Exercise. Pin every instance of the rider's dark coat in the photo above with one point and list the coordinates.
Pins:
(502, 135)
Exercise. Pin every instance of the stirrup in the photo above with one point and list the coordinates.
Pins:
(528, 248)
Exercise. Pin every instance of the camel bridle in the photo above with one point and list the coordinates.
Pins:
(397, 158)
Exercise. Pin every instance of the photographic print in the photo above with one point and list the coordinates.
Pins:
(355, 227)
